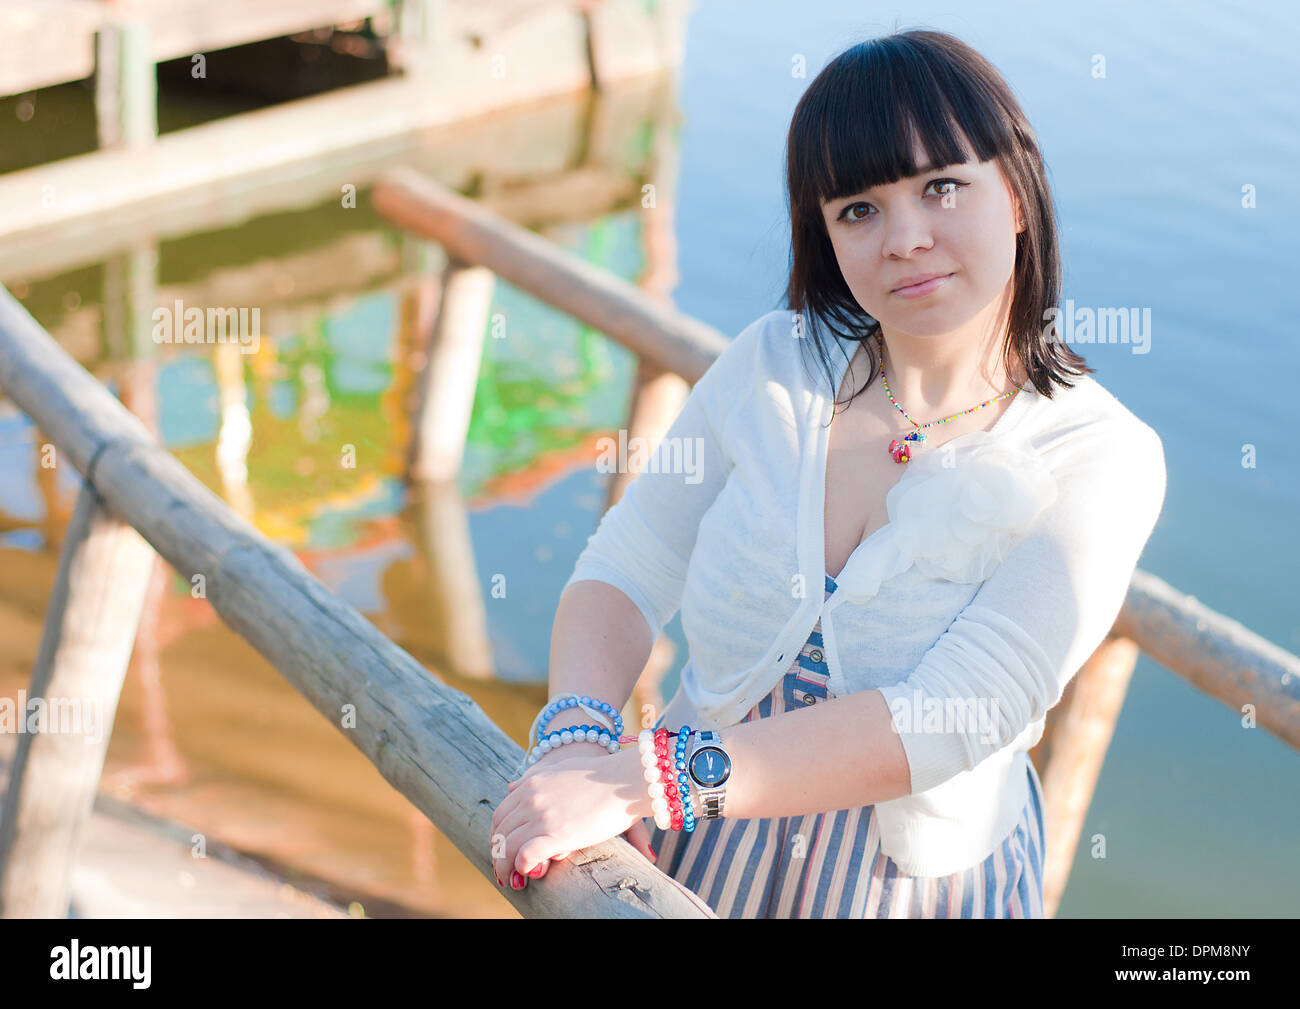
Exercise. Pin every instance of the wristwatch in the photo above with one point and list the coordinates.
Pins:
(709, 766)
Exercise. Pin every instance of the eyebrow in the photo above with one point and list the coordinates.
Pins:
(920, 170)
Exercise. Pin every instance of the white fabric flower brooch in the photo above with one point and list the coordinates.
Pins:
(955, 513)
(960, 521)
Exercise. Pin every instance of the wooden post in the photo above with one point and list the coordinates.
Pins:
(1071, 752)
(416, 27)
(670, 22)
(130, 295)
(656, 401)
(235, 434)
(90, 625)
(454, 605)
(126, 84)
(450, 374)
(658, 394)
(449, 315)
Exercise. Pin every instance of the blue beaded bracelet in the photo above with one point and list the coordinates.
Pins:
(591, 705)
(596, 709)
(684, 779)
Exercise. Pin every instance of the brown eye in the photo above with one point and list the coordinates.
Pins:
(949, 182)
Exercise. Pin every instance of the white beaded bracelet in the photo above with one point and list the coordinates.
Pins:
(645, 742)
(573, 734)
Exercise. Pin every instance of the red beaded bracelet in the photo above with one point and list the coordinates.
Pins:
(668, 777)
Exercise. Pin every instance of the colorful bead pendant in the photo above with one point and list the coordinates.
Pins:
(902, 452)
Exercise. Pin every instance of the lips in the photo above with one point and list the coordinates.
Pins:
(916, 280)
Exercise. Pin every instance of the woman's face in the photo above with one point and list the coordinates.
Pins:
(964, 229)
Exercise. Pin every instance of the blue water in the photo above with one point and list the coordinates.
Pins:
(1199, 814)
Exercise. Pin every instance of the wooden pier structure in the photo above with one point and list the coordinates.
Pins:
(138, 503)
(406, 723)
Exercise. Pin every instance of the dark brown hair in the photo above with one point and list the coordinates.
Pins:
(854, 129)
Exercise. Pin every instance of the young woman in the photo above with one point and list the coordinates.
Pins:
(882, 603)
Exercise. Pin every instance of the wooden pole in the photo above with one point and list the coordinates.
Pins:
(450, 373)
(416, 29)
(1071, 753)
(126, 84)
(1214, 653)
(454, 604)
(656, 401)
(90, 625)
(431, 742)
(130, 296)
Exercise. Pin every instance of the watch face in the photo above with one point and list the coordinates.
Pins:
(709, 767)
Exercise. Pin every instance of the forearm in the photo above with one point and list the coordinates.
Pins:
(839, 754)
(599, 646)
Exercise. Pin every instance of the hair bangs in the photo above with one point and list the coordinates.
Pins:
(877, 105)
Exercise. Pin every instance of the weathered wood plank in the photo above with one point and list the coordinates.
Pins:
(126, 85)
(90, 626)
(45, 42)
(640, 322)
(433, 743)
(1072, 751)
(450, 373)
(1214, 653)
(118, 196)
(184, 27)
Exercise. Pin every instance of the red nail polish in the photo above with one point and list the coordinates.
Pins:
(536, 871)
(516, 880)
(498, 876)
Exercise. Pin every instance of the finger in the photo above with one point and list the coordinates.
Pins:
(539, 870)
(504, 820)
(535, 850)
(511, 822)
(507, 863)
(530, 769)
(514, 782)
(639, 838)
(513, 810)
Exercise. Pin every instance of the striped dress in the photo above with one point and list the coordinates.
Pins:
(829, 865)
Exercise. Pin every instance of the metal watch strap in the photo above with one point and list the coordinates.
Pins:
(711, 801)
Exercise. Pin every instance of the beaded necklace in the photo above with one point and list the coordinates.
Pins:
(902, 451)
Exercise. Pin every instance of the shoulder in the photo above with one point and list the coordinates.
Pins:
(754, 351)
(1087, 420)
(770, 332)
(1094, 443)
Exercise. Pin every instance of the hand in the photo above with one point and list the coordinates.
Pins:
(560, 806)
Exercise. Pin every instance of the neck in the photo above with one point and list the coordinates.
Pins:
(940, 374)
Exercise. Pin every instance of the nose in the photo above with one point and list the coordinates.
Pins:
(906, 230)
